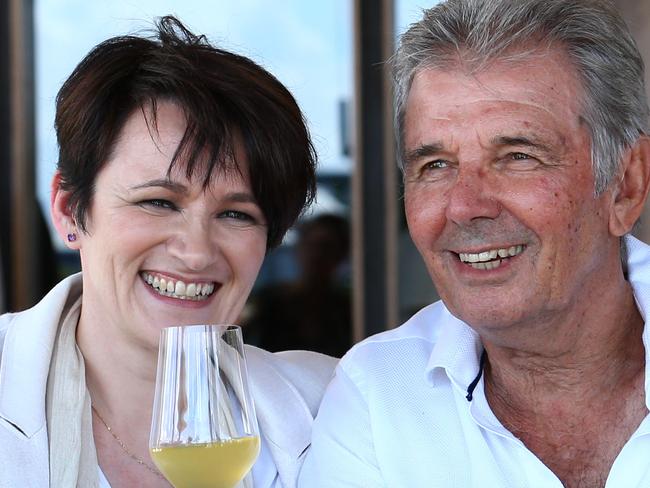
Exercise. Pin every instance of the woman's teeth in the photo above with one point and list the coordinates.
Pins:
(178, 289)
(489, 259)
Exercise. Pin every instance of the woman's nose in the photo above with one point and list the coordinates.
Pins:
(194, 244)
(472, 196)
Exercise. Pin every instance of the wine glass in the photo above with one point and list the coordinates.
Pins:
(204, 431)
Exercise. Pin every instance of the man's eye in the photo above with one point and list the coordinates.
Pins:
(520, 156)
(519, 161)
(429, 170)
(158, 203)
(437, 164)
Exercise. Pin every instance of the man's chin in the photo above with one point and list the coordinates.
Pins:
(489, 321)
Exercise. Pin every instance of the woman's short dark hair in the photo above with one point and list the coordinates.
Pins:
(226, 99)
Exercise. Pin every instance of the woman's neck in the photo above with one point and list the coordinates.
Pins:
(120, 374)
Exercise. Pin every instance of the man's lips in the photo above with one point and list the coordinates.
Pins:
(490, 258)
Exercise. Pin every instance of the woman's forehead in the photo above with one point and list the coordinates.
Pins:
(163, 143)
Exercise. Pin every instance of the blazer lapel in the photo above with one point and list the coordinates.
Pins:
(26, 357)
(284, 417)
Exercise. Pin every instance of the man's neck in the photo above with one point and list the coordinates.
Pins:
(574, 406)
(587, 355)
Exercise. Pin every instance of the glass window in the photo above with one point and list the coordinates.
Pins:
(409, 11)
(415, 287)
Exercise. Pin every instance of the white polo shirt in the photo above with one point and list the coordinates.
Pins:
(397, 413)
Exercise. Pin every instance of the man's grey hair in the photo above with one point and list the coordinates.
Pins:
(472, 33)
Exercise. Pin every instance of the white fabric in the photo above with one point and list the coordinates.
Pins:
(287, 388)
(396, 413)
(73, 459)
(103, 482)
(3, 307)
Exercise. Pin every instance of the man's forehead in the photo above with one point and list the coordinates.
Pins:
(543, 96)
(529, 67)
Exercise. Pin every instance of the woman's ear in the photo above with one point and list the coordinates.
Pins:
(61, 216)
(630, 192)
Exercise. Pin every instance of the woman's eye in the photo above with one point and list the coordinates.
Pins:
(236, 215)
(158, 204)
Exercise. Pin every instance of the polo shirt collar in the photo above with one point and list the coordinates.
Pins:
(638, 262)
(456, 353)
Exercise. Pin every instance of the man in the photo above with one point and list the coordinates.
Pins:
(522, 128)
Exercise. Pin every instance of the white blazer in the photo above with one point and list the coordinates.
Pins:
(287, 389)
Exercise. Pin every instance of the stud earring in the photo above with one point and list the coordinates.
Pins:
(72, 237)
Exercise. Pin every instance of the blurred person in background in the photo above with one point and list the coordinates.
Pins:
(314, 310)
(180, 166)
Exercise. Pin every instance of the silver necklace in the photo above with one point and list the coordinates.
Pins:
(137, 459)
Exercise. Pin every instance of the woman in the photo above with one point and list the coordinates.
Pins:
(180, 166)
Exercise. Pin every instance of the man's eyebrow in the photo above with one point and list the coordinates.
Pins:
(162, 183)
(422, 151)
(521, 141)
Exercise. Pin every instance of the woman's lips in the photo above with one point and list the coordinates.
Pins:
(181, 290)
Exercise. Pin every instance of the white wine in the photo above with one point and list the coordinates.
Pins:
(210, 465)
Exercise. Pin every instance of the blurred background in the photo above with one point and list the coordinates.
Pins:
(348, 269)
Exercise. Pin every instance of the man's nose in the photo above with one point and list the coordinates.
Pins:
(194, 244)
(472, 196)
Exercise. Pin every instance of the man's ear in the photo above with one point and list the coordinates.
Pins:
(630, 191)
(61, 216)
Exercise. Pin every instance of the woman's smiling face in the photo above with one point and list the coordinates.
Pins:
(162, 249)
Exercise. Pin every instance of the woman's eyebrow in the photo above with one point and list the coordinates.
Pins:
(240, 197)
(162, 183)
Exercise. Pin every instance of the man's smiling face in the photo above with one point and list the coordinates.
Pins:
(499, 190)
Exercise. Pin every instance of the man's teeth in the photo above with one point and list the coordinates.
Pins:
(179, 289)
(489, 259)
